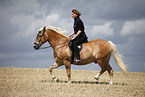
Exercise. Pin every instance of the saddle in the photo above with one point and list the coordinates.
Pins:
(71, 48)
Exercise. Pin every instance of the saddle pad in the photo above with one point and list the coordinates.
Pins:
(70, 46)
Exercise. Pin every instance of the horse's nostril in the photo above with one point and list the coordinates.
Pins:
(36, 47)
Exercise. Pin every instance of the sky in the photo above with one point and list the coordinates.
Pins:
(119, 21)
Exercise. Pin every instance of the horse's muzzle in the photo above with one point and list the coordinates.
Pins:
(36, 46)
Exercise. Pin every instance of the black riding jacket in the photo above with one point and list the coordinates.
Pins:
(78, 25)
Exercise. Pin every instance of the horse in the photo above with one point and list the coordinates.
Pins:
(98, 51)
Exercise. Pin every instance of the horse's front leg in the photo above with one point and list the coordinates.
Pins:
(55, 65)
(68, 70)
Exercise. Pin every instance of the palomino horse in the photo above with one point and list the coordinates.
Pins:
(98, 51)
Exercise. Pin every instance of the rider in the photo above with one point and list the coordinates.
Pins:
(80, 36)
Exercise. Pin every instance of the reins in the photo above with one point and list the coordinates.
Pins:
(45, 47)
(51, 46)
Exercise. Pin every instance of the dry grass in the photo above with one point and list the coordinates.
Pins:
(28, 82)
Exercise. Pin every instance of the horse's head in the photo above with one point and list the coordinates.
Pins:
(40, 39)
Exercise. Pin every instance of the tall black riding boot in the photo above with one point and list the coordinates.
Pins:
(77, 56)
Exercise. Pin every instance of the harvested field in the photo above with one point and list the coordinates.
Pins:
(36, 82)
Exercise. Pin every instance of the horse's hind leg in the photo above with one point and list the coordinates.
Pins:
(99, 74)
(110, 71)
(55, 65)
(103, 69)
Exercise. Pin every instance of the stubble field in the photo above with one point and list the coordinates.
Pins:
(35, 82)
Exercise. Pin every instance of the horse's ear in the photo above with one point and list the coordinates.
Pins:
(44, 27)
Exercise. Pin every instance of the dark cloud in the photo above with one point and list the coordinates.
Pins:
(122, 10)
(101, 9)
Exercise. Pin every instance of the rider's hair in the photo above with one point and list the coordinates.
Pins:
(76, 12)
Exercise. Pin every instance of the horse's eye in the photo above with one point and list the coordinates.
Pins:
(40, 35)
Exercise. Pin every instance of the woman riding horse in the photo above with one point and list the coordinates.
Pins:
(98, 51)
(80, 36)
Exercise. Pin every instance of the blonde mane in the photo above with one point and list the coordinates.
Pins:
(54, 29)
(57, 30)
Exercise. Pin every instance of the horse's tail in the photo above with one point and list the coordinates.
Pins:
(118, 59)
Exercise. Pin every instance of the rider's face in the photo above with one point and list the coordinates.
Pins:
(74, 15)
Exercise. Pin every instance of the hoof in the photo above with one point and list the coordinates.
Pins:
(95, 81)
(111, 83)
(69, 82)
(55, 79)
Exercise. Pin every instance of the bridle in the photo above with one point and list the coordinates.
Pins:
(39, 43)
(41, 36)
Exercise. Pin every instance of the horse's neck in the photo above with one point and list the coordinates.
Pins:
(56, 39)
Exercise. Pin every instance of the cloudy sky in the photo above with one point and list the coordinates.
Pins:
(120, 21)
